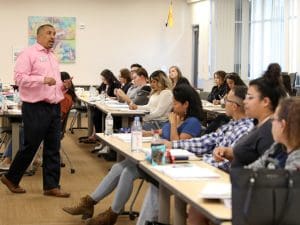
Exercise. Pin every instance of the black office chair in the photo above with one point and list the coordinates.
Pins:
(79, 110)
(63, 131)
(131, 213)
(4, 132)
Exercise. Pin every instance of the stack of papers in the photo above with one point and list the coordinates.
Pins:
(187, 171)
(216, 191)
(117, 105)
(126, 137)
(178, 154)
(181, 154)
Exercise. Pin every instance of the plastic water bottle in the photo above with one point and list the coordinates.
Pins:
(136, 135)
(158, 150)
(109, 124)
(102, 94)
(1, 100)
(91, 90)
(16, 97)
(4, 104)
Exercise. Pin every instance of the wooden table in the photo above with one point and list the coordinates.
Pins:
(15, 118)
(122, 148)
(104, 106)
(184, 191)
(187, 192)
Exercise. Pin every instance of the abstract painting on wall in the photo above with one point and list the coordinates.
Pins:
(64, 46)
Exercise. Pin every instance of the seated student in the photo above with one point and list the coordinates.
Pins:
(227, 135)
(139, 92)
(286, 80)
(134, 67)
(107, 87)
(125, 79)
(219, 90)
(69, 95)
(231, 79)
(262, 99)
(160, 102)
(184, 123)
(174, 75)
(285, 130)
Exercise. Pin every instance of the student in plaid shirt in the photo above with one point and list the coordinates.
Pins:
(226, 136)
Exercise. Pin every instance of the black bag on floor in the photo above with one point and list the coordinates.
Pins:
(265, 197)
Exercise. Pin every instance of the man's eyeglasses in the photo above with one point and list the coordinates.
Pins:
(228, 100)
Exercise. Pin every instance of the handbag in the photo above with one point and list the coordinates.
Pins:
(265, 197)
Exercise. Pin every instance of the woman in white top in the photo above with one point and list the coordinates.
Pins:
(160, 102)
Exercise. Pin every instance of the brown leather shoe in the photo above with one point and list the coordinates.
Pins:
(12, 187)
(56, 192)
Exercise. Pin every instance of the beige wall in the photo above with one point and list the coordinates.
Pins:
(117, 33)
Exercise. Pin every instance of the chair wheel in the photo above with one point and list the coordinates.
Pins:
(62, 165)
(72, 171)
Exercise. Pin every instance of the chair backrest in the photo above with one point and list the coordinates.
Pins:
(64, 125)
(293, 79)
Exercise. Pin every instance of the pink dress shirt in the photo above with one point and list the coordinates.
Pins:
(32, 65)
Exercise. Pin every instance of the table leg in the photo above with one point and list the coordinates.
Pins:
(90, 120)
(164, 205)
(15, 138)
(180, 214)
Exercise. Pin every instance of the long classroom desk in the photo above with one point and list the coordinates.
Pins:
(187, 192)
(122, 111)
(125, 113)
(122, 148)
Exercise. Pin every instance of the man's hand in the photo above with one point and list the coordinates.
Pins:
(221, 153)
(50, 81)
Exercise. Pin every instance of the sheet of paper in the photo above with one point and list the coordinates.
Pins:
(127, 137)
(187, 171)
(216, 190)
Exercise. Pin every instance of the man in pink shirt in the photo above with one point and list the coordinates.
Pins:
(41, 89)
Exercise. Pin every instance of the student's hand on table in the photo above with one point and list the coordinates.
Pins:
(216, 102)
(120, 93)
(222, 153)
(50, 81)
(133, 106)
(147, 133)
